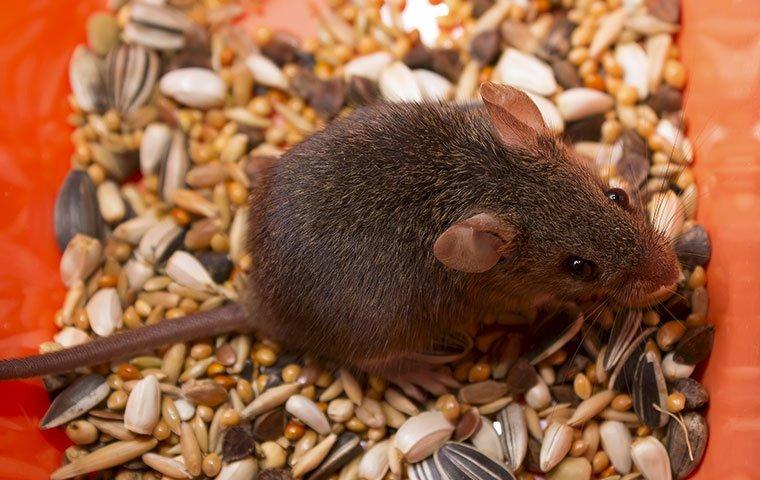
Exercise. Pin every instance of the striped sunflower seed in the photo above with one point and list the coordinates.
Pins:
(131, 74)
(157, 26)
(514, 435)
(459, 460)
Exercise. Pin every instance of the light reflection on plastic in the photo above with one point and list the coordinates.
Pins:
(419, 15)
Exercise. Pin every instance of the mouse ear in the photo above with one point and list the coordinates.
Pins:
(513, 114)
(474, 244)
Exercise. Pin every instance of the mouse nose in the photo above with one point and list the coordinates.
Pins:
(660, 266)
(653, 279)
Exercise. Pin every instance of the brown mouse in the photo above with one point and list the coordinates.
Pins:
(403, 221)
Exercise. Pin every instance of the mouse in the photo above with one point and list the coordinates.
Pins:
(403, 221)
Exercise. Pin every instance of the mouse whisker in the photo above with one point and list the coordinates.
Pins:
(596, 312)
(683, 297)
(674, 317)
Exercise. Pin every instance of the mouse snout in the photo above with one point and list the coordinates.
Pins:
(660, 266)
(654, 277)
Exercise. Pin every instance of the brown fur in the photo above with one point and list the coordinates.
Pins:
(342, 234)
(343, 226)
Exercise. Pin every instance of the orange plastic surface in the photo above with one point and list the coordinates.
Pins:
(721, 47)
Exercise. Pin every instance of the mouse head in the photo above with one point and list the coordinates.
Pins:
(557, 231)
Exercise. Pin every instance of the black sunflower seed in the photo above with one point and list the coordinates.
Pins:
(282, 48)
(76, 209)
(346, 448)
(680, 461)
(623, 381)
(218, 265)
(693, 247)
(649, 389)
(624, 331)
(328, 98)
(556, 45)
(447, 62)
(585, 130)
(533, 458)
(270, 425)
(696, 395)
(76, 400)
(54, 383)
(238, 443)
(665, 99)
(634, 162)
(621, 378)
(676, 307)
(485, 46)
(274, 378)
(305, 83)
(419, 56)
(695, 345)
(554, 331)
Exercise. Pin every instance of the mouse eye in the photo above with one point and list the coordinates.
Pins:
(618, 196)
(580, 267)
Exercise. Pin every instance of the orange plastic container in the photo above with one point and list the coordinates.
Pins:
(721, 48)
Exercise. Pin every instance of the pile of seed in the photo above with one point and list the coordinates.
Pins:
(197, 107)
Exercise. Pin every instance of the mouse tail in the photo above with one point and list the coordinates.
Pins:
(204, 324)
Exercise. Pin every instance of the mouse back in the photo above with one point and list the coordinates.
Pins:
(406, 220)
(342, 237)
